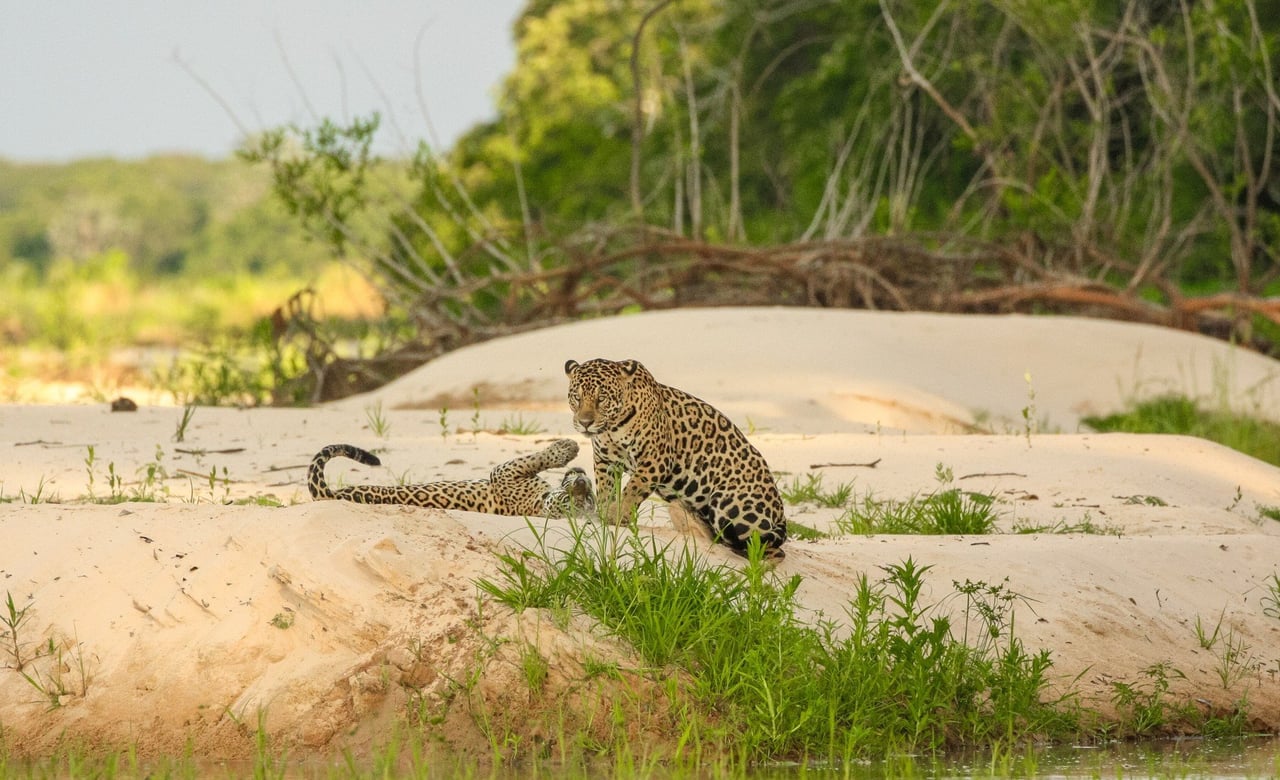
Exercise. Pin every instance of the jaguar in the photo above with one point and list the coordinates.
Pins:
(513, 488)
(670, 443)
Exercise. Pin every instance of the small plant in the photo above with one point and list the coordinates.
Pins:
(1207, 641)
(810, 491)
(1145, 704)
(52, 683)
(944, 474)
(1144, 500)
(215, 481)
(180, 432)
(1085, 526)
(519, 426)
(475, 411)
(89, 460)
(1268, 513)
(266, 500)
(1029, 411)
(444, 422)
(597, 667)
(38, 497)
(378, 422)
(149, 485)
(1271, 599)
(1234, 656)
(13, 620)
(1235, 500)
(282, 620)
(804, 533)
(535, 668)
(115, 482)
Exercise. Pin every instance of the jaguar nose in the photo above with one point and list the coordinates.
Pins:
(584, 419)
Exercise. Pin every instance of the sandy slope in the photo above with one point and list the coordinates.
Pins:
(168, 615)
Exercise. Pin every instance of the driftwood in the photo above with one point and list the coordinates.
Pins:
(605, 271)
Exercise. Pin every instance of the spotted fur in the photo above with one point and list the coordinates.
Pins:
(674, 445)
(513, 487)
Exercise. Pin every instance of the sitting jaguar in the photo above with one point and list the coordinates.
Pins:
(677, 446)
(513, 488)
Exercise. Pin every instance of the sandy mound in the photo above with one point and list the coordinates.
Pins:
(188, 619)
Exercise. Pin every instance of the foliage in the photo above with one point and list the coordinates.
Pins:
(1174, 414)
(773, 121)
(1118, 152)
(899, 674)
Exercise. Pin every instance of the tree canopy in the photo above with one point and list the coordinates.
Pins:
(1109, 154)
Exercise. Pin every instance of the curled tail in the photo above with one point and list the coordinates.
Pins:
(315, 473)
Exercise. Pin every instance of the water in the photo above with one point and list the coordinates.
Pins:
(1254, 757)
(1257, 757)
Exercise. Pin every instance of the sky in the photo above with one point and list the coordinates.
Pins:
(132, 78)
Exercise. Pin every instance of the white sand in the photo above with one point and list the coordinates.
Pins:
(163, 611)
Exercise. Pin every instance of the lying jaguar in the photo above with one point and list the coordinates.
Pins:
(677, 446)
(513, 488)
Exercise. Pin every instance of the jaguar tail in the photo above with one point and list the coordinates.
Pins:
(315, 473)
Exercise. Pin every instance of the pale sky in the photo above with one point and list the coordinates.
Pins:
(99, 77)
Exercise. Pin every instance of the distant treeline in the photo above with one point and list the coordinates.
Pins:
(164, 217)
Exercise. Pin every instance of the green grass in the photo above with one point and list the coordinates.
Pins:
(1084, 526)
(943, 511)
(810, 490)
(1271, 599)
(1176, 414)
(896, 675)
(946, 512)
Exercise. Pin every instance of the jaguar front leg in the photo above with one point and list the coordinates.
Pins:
(617, 504)
(610, 499)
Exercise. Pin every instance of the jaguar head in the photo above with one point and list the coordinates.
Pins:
(600, 393)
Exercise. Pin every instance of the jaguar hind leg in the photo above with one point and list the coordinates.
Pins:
(687, 522)
(722, 515)
(553, 456)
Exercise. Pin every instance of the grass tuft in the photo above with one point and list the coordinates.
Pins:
(894, 676)
(810, 490)
(1175, 414)
(946, 512)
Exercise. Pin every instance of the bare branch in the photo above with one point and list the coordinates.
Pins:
(637, 121)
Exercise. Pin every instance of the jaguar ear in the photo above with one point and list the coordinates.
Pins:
(569, 366)
(630, 367)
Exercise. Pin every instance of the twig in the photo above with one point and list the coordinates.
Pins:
(198, 475)
(870, 465)
(286, 468)
(637, 119)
